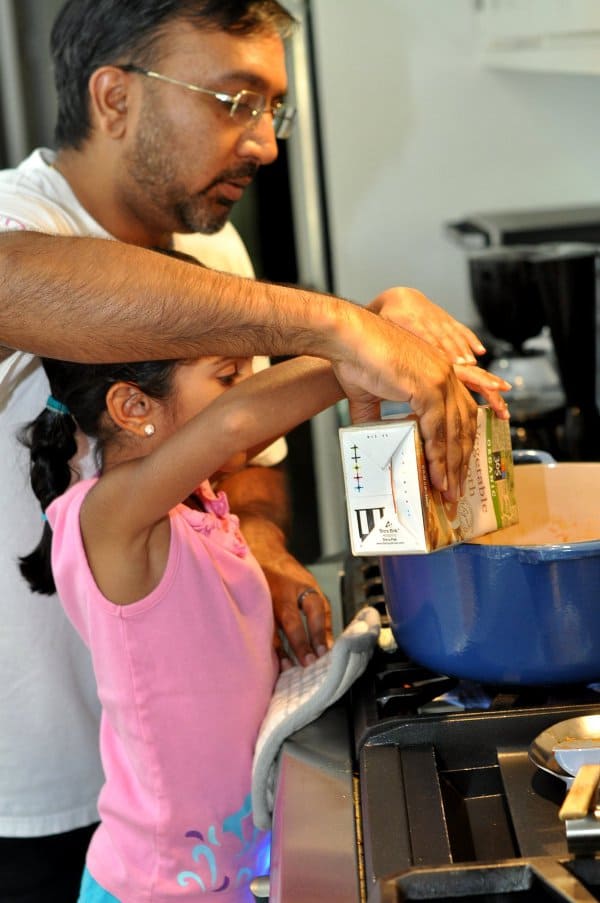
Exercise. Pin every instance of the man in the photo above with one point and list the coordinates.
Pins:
(166, 111)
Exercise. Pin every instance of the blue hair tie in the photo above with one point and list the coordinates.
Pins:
(57, 406)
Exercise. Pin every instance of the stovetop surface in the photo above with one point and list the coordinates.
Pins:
(451, 807)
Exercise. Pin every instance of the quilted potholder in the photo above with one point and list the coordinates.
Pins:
(301, 695)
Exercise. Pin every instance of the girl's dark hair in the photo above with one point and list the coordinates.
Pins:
(82, 389)
(88, 34)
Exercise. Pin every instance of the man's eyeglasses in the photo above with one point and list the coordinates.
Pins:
(245, 107)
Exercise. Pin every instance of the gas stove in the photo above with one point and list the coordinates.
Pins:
(416, 786)
(448, 804)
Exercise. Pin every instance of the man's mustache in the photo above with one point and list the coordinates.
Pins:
(247, 171)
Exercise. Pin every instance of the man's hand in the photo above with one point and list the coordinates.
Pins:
(306, 637)
(411, 309)
(391, 363)
(258, 496)
(486, 384)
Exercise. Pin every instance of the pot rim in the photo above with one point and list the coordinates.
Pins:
(544, 552)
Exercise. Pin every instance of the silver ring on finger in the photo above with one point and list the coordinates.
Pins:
(305, 592)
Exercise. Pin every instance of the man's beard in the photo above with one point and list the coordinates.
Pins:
(204, 213)
(152, 168)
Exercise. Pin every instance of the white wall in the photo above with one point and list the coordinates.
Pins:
(417, 133)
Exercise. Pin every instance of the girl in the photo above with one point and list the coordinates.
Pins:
(154, 574)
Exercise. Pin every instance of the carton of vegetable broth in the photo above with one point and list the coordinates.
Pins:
(393, 508)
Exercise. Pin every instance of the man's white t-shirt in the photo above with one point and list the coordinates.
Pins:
(50, 771)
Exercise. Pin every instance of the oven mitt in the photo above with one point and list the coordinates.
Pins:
(301, 695)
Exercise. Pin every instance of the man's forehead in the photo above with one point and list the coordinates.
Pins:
(222, 60)
(262, 47)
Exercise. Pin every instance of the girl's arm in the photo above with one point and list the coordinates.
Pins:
(124, 518)
(265, 405)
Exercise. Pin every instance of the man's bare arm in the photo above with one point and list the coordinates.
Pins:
(258, 495)
(90, 299)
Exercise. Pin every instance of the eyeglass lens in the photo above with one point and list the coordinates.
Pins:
(249, 106)
(283, 120)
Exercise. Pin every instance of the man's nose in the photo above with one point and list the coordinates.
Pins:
(259, 142)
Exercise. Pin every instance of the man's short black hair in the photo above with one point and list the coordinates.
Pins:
(88, 34)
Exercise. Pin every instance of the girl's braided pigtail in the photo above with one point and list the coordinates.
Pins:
(51, 442)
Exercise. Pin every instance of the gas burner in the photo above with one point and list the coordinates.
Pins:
(407, 686)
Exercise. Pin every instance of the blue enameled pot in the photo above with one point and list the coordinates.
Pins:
(519, 606)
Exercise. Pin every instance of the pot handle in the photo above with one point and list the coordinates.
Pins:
(532, 456)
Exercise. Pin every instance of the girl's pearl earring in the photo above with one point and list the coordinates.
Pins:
(149, 429)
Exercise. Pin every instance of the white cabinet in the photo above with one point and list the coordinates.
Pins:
(541, 35)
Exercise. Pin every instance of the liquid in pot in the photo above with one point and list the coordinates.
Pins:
(557, 505)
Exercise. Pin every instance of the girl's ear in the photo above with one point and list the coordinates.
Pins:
(129, 407)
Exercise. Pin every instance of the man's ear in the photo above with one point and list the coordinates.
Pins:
(129, 407)
(109, 89)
